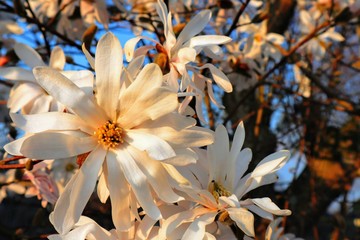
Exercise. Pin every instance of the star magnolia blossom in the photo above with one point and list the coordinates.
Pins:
(176, 54)
(87, 228)
(276, 232)
(317, 46)
(128, 137)
(226, 185)
(27, 95)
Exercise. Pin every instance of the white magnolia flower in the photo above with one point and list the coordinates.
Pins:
(274, 232)
(225, 188)
(87, 228)
(318, 44)
(176, 55)
(27, 95)
(128, 137)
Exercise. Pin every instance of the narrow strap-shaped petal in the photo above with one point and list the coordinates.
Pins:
(108, 67)
(244, 220)
(83, 230)
(53, 145)
(219, 77)
(88, 56)
(67, 93)
(156, 176)
(22, 95)
(174, 221)
(195, 26)
(196, 230)
(57, 58)
(28, 55)
(14, 147)
(119, 192)
(138, 182)
(152, 106)
(271, 163)
(156, 147)
(130, 45)
(77, 192)
(17, 74)
(269, 206)
(35, 123)
(219, 164)
(207, 40)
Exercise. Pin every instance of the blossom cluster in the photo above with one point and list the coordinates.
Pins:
(127, 131)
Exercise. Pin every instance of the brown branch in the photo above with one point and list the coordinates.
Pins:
(37, 22)
(236, 18)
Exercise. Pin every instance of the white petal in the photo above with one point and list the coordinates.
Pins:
(151, 106)
(86, 228)
(88, 56)
(241, 165)
(190, 137)
(108, 67)
(51, 145)
(17, 74)
(138, 182)
(22, 95)
(156, 175)
(131, 44)
(269, 206)
(77, 192)
(67, 93)
(57, 58)
(186, 55)
(102, 186)
(217, 154)
(14, 147)
(244, 220)
(135, 66)
(28, 55)
(260, 212)
(46, 121)
(195, 26)
(119, 192)
(208, 40)
(41, 104)
(144, 228)
(219, 77)
(174, 221)
(156, 147)
(149, 78)
(196, 230)
(271, 163)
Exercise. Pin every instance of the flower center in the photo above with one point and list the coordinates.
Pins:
(109, 134)
(218, 190)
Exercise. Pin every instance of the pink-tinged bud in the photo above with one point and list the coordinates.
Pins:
(45, 186)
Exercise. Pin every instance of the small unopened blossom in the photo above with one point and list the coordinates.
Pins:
(221, 195)
(129, 138)
(43, 185)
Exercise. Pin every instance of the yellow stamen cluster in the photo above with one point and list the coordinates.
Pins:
(218, 190)
(109, 134)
